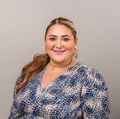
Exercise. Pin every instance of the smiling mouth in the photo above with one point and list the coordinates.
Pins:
(59, 52)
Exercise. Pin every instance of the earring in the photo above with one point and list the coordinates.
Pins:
(75, 47)
(75, 54)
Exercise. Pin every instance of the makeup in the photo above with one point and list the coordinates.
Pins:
(58, 52)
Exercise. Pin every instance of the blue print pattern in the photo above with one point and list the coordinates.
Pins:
(79, 93)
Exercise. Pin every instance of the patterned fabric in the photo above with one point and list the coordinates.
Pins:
(79, 93)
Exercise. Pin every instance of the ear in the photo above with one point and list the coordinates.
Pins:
(76, 41)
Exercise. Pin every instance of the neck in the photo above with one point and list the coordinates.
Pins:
(53, 66)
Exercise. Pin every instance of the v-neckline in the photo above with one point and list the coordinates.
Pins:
(54, 80)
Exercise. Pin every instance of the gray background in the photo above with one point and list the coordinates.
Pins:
(22, 27)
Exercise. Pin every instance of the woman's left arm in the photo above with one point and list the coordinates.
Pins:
(95, 101)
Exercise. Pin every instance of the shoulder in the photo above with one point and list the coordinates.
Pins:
(90, 77)
(89, 71)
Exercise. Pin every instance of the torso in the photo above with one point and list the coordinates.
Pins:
(51, 75)
(61, 99)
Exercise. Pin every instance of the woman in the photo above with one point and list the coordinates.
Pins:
(55, 86)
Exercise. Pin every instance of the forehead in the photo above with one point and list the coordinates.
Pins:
(58, 29)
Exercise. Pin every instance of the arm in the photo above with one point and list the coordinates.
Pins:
(14, 114)
(95, 97)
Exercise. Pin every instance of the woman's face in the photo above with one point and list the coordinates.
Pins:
(59, 43)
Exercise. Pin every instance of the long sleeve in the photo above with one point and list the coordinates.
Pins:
(14, 114)
(95, 102)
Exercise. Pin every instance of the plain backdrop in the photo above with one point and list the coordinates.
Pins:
(22, 28)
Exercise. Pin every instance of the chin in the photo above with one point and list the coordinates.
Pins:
(58, 60)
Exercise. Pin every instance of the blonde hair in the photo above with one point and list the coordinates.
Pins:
(41, 60)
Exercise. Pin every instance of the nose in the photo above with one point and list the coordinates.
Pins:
(58, 44)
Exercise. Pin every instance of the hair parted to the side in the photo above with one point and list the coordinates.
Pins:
(41, 60)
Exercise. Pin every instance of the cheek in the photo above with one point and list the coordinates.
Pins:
(47, 45)
(70, 46)
(71, 49)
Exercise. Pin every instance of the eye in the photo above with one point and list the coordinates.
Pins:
(52, 39)
(66, 39)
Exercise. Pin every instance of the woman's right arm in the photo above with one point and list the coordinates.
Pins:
(14, 114)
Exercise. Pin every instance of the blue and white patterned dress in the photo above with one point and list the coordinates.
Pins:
(79, 93)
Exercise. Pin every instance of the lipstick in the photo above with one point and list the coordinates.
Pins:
(58, 52)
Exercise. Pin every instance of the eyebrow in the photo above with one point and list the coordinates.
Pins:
(52, 36)
(65, 36)
(56, 36)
